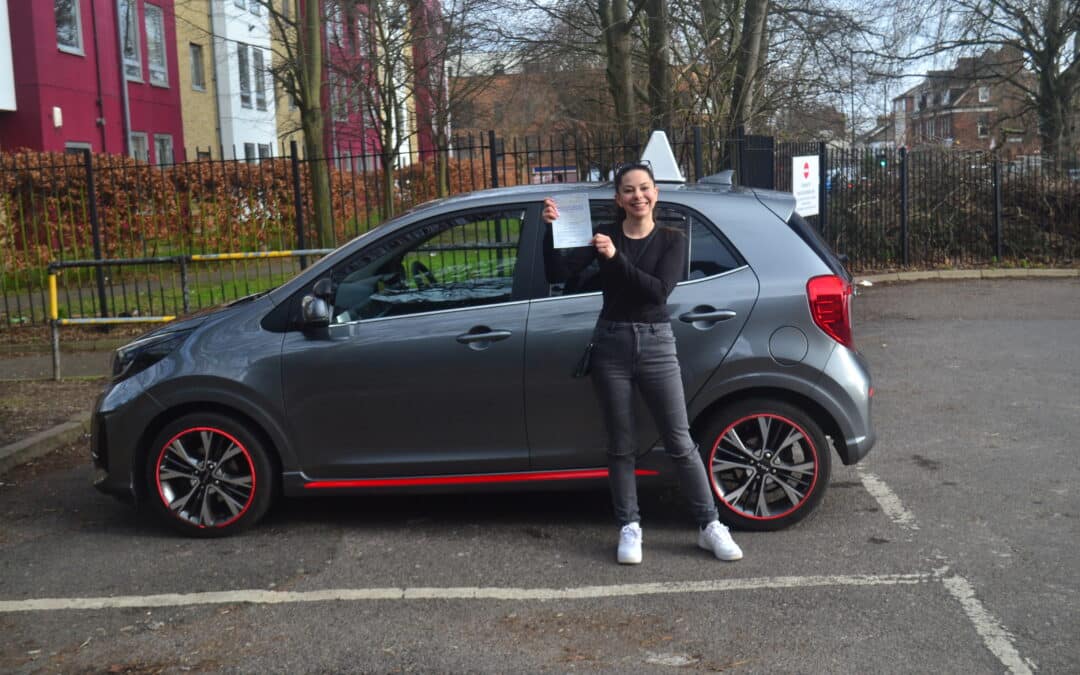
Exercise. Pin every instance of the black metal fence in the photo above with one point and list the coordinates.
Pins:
(883, 209)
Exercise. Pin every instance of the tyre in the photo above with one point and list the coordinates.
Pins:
(768, 464)
(207, 475)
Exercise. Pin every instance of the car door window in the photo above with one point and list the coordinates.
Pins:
(462, 260)
(574, 271)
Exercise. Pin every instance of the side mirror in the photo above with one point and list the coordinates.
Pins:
(315, 311)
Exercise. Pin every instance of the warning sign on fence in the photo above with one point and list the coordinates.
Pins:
(805, 184)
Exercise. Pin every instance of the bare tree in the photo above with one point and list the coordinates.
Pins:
(1044, 35)
(298, 71)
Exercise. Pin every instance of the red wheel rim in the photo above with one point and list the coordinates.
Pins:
(763, 466)
(205, 477)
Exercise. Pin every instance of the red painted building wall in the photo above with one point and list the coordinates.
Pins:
(87, 87)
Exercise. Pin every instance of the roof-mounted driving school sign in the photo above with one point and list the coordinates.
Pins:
(806, 184)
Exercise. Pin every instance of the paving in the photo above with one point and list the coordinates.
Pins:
(952, 548)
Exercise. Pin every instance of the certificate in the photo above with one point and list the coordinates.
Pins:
(574, 226)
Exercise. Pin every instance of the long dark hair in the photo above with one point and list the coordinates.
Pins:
(622, 170)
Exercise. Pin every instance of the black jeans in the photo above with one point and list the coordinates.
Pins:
(643, 355)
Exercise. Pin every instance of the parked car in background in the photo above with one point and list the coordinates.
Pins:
(435, 353)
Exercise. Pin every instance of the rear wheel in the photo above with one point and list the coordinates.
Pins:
(768, 464)
(209, 476)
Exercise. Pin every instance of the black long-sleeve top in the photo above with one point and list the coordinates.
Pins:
(637, 280)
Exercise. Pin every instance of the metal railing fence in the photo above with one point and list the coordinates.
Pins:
(883, 209)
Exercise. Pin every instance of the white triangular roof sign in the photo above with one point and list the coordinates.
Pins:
(658, 153)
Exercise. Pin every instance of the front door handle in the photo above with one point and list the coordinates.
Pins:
(707, 314)
(483, 334)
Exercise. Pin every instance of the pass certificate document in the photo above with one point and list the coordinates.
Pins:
(574, 226)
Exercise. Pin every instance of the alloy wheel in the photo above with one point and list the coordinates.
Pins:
(205, 477)
(764, 466)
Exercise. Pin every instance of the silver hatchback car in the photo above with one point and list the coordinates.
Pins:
(436, 353)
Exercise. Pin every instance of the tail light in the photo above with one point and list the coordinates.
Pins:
(830, 305)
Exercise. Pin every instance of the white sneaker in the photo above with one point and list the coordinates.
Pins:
(630, 544)
(716, 538)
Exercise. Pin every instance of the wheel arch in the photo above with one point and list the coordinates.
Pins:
(815, 410)
(143, 450)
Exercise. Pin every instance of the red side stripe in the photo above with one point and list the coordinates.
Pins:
(577, 474)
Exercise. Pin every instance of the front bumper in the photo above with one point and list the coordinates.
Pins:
(115, 438)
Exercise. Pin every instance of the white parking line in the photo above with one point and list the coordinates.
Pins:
(993, 635)
(256, 596)
(887, 499)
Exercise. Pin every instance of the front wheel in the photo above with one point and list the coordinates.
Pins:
(768, 464)
(208, 476)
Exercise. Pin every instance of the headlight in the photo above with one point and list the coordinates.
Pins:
(137, 356)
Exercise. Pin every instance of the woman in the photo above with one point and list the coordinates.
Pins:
(634, 346)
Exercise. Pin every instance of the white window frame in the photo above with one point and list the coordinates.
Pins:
(198, 66)
(243, 64)
(77, 48)
(130, 28)
(139, 136)
(159, 138)
(159, 73)
(984, 94)
(258, 65)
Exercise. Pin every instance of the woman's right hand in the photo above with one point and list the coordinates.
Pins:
(551, 212)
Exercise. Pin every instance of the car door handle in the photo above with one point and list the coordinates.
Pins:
(707, 314)
(483, 335)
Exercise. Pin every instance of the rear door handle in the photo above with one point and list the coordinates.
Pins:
(707, 314)
(483, 335)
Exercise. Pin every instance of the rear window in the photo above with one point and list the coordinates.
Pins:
(810, 235)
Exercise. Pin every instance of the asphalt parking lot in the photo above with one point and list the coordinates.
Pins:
(951, 548)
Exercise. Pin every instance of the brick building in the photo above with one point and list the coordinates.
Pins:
(85, 77)
(970, 107)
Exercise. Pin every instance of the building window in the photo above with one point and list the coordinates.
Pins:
(286, 8)
(202, 155)
(163, 149)
(155, 46)
(129, 39)
(983, 126)
(265, 151)
(984, 94)
(198, 68)
(76, 148)
(242, 4)
(249, 152)
(930, 128)
(139, 148)
(68, 26)
(254, 7)
(260, 78)
(945, 96)
(245, 74)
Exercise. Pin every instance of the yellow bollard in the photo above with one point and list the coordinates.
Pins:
(54, 310)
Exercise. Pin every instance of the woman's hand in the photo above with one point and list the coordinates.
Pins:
(604, 246)
(551, 212)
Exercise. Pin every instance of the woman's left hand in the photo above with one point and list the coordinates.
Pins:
(604, 246)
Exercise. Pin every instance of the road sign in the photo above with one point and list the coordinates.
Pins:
(805, 183)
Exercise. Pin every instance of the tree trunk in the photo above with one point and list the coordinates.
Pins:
(748, 61)
(311, 118)
(615, 17)
(660, 99)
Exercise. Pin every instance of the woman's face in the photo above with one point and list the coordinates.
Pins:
(636, 193)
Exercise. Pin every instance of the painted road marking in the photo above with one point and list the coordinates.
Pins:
(887, 499)
(993, 635)
(258, 596)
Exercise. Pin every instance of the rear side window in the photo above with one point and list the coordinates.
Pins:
(810, 235)
(576, 271)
